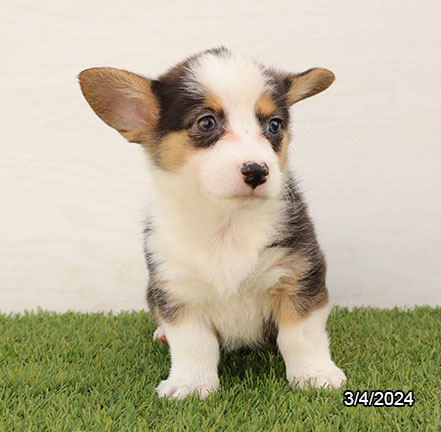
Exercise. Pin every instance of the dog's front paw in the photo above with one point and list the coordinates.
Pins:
(329, 377)
(180, 388)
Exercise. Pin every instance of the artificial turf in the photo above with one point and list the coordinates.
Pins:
(97, 372)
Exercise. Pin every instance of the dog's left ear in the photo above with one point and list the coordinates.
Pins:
(308, 83)
(123, 100)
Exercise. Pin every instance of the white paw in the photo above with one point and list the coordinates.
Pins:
(180, 388)
(329, 377)
(159, 335)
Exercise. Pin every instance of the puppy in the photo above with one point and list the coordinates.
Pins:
(231, 250)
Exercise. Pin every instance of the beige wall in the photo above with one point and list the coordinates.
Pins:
(367, 151)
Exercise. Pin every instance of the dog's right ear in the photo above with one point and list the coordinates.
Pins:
(122, 99)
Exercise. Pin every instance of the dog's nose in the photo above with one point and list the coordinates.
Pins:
(254, 174)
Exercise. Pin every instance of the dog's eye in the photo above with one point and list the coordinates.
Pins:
(274, 125)
(207, 123)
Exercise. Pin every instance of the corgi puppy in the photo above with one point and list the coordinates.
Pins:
(231, 251)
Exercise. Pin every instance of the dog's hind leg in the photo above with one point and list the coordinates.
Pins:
(159, 335)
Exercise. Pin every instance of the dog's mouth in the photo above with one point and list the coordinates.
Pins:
(251, 196)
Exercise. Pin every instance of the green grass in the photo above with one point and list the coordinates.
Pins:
(97, 372)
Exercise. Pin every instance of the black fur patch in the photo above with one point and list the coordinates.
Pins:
(269, 333)
(298, 235)
(157, 299)
(180, 108)
(179, 105)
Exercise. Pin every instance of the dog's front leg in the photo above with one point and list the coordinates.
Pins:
(194, 353)
(304, 346)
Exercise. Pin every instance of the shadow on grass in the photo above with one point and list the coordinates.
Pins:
(250, 366)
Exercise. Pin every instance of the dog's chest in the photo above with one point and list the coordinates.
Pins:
(240, 318)
(220, 268)
(213, 249)
(229, 287)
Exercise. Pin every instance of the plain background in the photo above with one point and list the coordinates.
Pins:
(367, 151)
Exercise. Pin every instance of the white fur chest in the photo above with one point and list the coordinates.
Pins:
(239, 316)
(214, 261)
(214, 243)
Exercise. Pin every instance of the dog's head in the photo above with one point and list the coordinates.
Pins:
(218, 119)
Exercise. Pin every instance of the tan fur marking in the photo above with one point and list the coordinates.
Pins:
(297, 266)
(213, 101)
(175, 150)
(310, 83)
(283, 153)
(265, 105)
